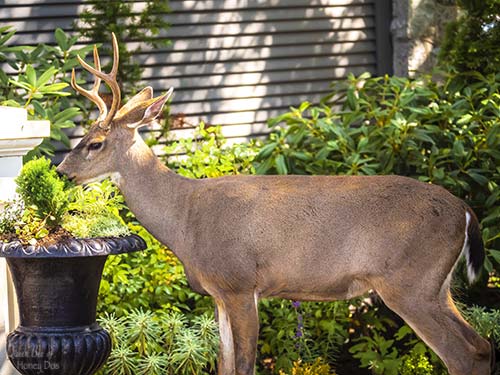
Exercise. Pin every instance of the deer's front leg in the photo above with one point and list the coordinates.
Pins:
(239, 331)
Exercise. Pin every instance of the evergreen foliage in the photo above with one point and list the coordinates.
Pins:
(39, 185)
(472, 42)
(147, 25)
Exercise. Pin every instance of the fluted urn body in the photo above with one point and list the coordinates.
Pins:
(57, 289)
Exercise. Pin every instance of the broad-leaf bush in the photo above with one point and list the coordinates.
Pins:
(208, 154)
(38, 81)
(152, 280)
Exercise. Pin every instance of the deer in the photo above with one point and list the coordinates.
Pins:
(241, 238)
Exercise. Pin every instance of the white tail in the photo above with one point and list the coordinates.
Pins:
(317, 238)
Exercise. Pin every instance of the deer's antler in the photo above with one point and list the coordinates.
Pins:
(93, 94)
(105, 116)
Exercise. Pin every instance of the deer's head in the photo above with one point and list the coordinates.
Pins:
(109, 139)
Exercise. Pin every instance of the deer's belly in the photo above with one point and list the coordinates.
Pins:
(316, 288)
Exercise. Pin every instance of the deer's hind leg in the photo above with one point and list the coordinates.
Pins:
(434, 317)
(239, 331)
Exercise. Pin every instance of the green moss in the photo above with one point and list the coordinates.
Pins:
(98, 226)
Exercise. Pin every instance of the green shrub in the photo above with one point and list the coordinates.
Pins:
(417, 364)
(38, 84)
(401, 352)
(208, 154)
(378, 354)
(484, 321)
(160, 344)
(146, 24)
(39, 185)
(318, 367)
(472, 42)
(301, 331)
(96, 211)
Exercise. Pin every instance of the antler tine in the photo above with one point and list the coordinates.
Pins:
(110, 80)
(92, 94)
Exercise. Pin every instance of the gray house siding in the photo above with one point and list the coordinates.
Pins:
(236, 63)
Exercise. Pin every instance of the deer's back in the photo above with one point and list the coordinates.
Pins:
(259, 224)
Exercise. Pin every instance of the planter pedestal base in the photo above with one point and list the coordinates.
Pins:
(57, 351)
(57, 289)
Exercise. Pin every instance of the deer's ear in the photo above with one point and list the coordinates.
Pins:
(155, 108)
(147, 111)
(144, 95)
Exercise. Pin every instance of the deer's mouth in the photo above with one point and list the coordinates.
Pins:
(115, 177)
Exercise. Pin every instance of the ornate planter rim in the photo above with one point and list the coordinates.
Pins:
(74, 247)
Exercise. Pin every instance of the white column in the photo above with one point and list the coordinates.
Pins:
(17, 137)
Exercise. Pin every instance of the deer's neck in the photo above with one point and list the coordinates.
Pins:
(157, 196)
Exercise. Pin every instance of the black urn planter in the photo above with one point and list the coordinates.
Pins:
(57, 289)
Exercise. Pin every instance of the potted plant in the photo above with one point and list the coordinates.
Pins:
(56, 239)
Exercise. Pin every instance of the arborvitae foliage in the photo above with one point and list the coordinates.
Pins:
(472, 42)
(40, 186)
(130, 24)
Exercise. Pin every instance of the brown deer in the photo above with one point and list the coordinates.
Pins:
(316, 238)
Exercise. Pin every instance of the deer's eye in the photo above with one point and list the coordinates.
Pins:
(95, 146)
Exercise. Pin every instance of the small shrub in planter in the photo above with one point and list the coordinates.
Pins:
(56, 272)
(50, 208)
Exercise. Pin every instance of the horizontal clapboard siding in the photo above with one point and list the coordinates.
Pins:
(235, 62)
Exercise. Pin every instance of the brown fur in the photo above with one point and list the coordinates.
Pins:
(317, 238)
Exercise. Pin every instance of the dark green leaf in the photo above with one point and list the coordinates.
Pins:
(280, 164)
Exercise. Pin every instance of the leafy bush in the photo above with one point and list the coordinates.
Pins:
(40, 77)
(96, 211)
(318, 367)
(472, 42)
(417, 363)
(157, 344)
(484, 322)
(152, 280)
(301, 331)
(403, 353)
(208, 154)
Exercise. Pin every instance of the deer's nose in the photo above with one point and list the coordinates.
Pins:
(60, 173)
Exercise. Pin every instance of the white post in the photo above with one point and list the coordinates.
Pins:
(17, 137)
